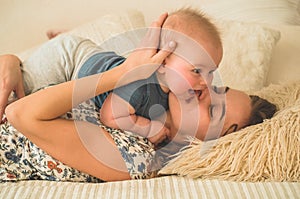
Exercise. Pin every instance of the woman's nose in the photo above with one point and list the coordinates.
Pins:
(208, 77)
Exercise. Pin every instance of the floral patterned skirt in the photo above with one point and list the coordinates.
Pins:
(20, 159)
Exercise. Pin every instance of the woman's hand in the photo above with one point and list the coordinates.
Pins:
(146, 59)
(10, 80)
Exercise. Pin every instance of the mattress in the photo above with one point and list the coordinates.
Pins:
(162, 187)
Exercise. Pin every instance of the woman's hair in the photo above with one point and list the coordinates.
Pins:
(261, 110)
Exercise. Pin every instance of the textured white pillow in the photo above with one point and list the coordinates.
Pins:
(260, 11)
(248, 49)
(285, 60)
(110, 25)
(103, 28)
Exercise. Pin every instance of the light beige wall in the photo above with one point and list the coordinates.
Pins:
(23, 23)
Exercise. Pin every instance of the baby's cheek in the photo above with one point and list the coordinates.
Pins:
(177, 83)
(179, 90)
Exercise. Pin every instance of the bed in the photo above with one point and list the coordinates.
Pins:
(264, 59)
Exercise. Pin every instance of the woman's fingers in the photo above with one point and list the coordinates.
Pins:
(152, 37)
(20, 89)
(161, 55)
(160, 21)
(5, 93)
(3, 102)
(148, 57)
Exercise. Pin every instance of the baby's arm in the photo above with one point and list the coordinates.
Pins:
(118, 113)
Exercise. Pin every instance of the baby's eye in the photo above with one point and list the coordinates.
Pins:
(197, 70)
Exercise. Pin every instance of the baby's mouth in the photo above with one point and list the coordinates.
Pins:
(198, 93)
(193, 94)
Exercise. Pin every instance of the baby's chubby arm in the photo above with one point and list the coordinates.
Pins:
(118, 113)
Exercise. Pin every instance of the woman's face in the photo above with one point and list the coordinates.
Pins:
(209, 115)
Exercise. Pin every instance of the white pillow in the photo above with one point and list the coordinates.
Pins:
(247, 47)
(110, 25)
(286, 59)
(102, 28)
(247, 54)
(261, 11)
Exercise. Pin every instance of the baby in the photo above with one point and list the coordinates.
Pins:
(186, 72)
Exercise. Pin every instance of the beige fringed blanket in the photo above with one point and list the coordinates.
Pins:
(269, 151)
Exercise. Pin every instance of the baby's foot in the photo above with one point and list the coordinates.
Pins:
(54, 32)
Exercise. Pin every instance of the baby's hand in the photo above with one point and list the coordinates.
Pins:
(158, 132)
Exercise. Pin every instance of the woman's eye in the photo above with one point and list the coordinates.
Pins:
(220, 90)
(211, 111)
(211, 72)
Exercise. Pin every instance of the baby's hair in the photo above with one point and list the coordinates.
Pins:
(199, 20)
(261, 110)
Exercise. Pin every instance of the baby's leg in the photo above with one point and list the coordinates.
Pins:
(56, 61)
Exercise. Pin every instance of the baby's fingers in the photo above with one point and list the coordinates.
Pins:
(160, 136)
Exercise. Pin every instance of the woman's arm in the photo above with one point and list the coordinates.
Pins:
(37, 115)
(10, 79)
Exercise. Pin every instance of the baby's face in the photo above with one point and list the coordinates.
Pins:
(191, 66)
(183, 78)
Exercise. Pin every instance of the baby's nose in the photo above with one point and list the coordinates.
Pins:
(201, 86)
